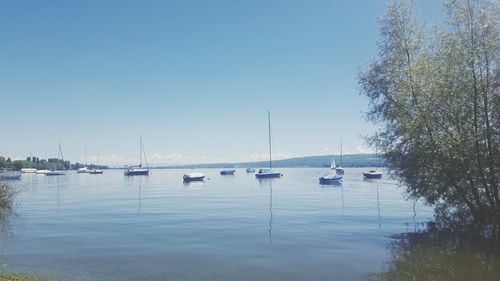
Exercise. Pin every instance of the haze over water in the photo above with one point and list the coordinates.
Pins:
(111, 227)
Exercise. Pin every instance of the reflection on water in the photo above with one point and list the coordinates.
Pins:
(440, 254)
(113, 227)
(271, 211)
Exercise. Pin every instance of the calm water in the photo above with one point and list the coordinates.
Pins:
(111, 227)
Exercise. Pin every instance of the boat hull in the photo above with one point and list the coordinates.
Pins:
(227, 172)
(372, 175)
(137, 172)
(325, 181)
(190, 179)
(95, 172)
(250, 170)
(268, 175)
(28, 170)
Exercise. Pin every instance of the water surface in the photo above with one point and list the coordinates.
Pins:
(111, 227)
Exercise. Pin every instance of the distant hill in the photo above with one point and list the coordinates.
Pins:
(351, 160)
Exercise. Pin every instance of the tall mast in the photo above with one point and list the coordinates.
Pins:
(269, 127)
(140, 150)
(340, 152)
(60, 151)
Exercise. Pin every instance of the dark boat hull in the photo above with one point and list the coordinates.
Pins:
(137, 173)
(267, 175)
(186, 179)
(55, 174)
(372, 176)
(330, 181)
(227, 173)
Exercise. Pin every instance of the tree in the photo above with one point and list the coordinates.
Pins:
(437, 98)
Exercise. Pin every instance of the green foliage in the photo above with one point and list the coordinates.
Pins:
(436, 96)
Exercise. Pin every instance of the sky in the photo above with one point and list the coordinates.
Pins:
(194, 78)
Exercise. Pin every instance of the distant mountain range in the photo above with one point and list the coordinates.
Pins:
(350, 160)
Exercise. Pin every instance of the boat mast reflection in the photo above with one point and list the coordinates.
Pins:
(262, 181)
(378, 209)
(140, 199)
(271, 211)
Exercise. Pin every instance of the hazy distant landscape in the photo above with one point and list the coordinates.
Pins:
(351, 160)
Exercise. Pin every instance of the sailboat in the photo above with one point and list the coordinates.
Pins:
(96, 171)
(57, 172)
(339, 170)
(251, 169)
(138, 170)
(268, 173)
(84, 169)
(373, 173)
(333, 177)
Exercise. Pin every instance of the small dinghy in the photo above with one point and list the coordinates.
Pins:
(227, 172)
(372, 174)
(193, 177)
(267, 173)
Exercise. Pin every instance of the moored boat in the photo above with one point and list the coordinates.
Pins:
(330, 178)
(227, 172)
(95, 171)
(193, 177)
(83, 170)
(268, 173)
(55, 173)
(372, 174)
(42, 172)
(250, 170)
(28, 170)
(138, 170)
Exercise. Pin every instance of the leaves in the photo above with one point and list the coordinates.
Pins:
(437, 97)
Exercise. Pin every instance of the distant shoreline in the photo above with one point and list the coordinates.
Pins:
(321, 161)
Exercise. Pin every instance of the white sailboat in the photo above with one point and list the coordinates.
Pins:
(138, 170)
(251, 169)
(96, 171)
(268, 173)
(373, 173)
(84, 169)
(58, 172)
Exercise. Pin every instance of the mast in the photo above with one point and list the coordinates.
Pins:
(60, 151)
(269, 128)
(85, 155)
(140, 151)
(340, 152)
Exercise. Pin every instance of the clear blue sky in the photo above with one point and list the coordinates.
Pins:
(195, 78)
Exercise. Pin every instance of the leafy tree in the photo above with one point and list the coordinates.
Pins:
(436, 96)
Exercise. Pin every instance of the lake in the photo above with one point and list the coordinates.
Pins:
(112, 227)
